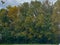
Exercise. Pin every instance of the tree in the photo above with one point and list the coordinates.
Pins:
(29, 23)
(56, 17)
(12, 12)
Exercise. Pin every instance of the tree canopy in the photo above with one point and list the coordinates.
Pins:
(33, 22)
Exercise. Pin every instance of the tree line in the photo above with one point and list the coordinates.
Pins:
(35, 22)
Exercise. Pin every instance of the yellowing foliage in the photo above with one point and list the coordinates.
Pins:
(12, 12)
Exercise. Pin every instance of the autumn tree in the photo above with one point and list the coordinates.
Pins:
(32, 22)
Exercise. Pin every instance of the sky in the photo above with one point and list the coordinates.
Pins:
(16, 2)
